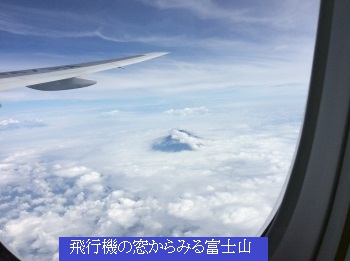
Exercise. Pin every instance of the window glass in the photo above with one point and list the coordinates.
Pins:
(195, 143)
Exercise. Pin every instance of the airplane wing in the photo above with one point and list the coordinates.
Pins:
(65, 77)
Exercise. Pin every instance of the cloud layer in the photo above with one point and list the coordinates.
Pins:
(87, 174)
(10, 124)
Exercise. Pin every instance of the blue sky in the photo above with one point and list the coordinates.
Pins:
(108, 25)
(210, 42)
(82, 162)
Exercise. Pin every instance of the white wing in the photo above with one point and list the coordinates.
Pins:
(64, 77)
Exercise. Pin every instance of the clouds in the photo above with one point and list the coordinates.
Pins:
(274, 14)
(93, 175)
(113, 113)
(187, 111)
(202, 22)
(24, 20)
(210, 10)
(11, 124)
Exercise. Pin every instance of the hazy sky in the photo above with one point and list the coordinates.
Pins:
(83, 162)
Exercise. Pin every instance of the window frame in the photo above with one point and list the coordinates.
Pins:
(312, 222)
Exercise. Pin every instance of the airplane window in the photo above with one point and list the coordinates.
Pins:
(198, 142)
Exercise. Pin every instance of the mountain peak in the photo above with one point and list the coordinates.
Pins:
(177, 140)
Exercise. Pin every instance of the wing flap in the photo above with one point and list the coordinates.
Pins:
(60, 85)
